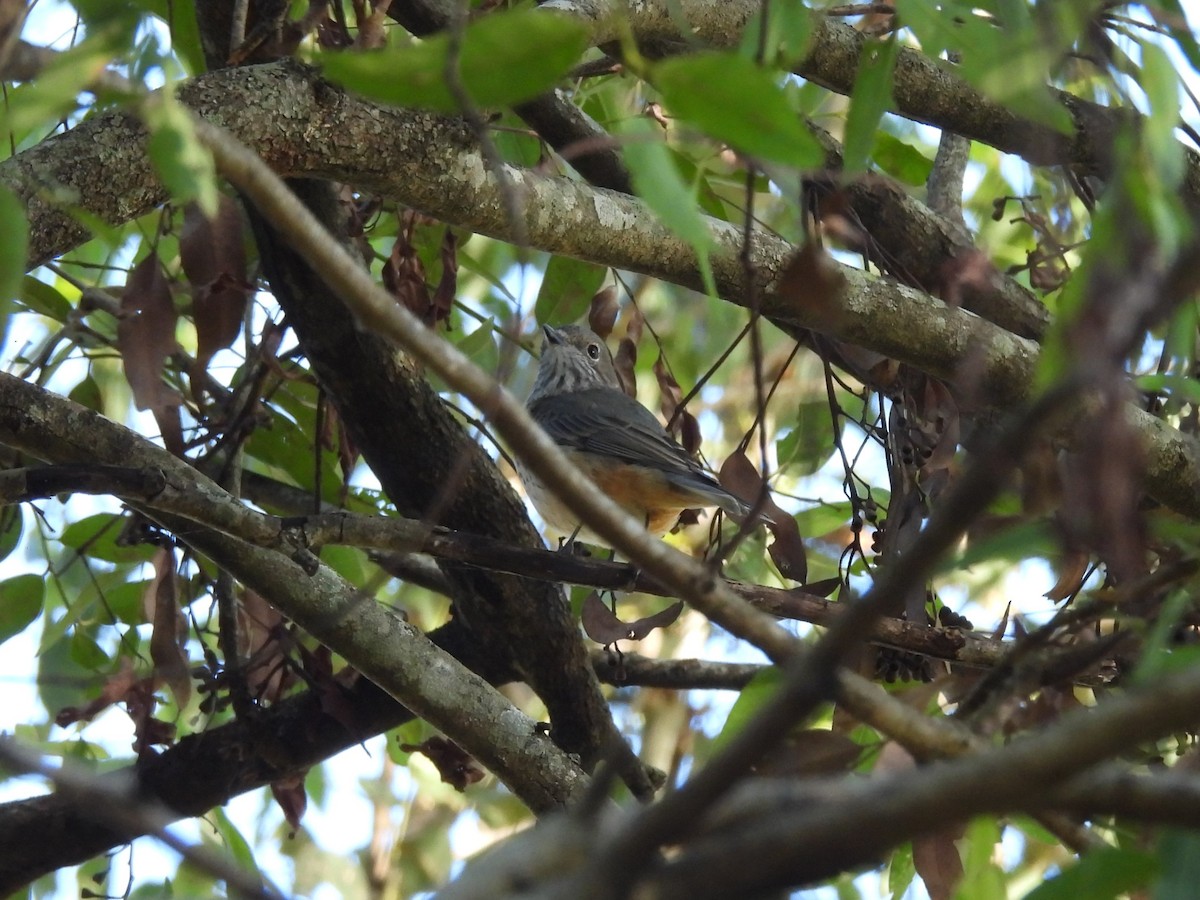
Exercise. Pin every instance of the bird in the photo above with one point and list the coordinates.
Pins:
(614, 440)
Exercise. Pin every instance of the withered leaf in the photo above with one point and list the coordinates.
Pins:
(602, 313)
(146, 333)
(168, 628)
(404, 275)
(998, 633)
(812, 282)
(170, 426)
(116, 688)
(457, 767)
(1072, 570)
(969, 270)
(689, 432)
(264, 643)
(447, 288)
(623, 362)
(289, 793)
(936, 860)
(213, 255)
(603, 626)
(670, 393)
(811, 752)
(824, 587)
(635, 324)
(741, 478)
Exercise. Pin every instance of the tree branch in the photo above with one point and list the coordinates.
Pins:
(389, 651)
(396, 153)
(180, 492)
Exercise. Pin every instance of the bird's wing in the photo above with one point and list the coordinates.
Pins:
(607, 423)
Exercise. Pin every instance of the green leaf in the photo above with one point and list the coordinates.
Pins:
(480, 346)
(982, 878)
(824, 518)
(96, 537)
(1179, 388)
(54, 96)
(1175, 18)
(87, 653)
(762, 687)
(62, 682)
(810, 443)
(567, 289)
(1009, 64)
(739, 103)
(901, 870)
(87, 393)
(1018, 542)
(1102, 874)
(1179, 855)
(182, 162)
(657, 181)
(1160, 81)
(1161, 653)
(871, 97)
(180, 17)
(14, 248)
(506, 58)
(789, 28)
(20, 603)
(12, 526)
(900, 160)
(235, 843)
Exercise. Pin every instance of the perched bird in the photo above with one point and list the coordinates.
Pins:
(613, 439)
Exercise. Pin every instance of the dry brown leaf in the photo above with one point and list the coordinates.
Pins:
(168, 628)
(669, 391)
(603, 626)
(116, 687)
(623, 362)
(811, 281)
(936, 860)
(146, 334)
(809, 753)
(741, 478)
(264, 644)
(289, 793)
(1071, 569)
(456, 767)
(213, 255)
(602, 313)
(447, 289)
(404, 274)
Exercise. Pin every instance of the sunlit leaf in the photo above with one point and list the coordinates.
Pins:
(567, 290)
(737, 102)
(658, 182)
(1101, 874)
(21, 605)
(871, 97)
(44, 298)
(506, 58)
(182, 162)
(14, 247)
(751, 699)
(900, 159)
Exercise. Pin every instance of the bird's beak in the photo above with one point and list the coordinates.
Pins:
(553, 336)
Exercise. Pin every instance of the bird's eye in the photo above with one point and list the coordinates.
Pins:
(593, 351)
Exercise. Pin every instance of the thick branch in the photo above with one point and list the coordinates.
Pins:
(801, 831)
(923, 89)
(429, 163)
(386, 649)
(183, 493)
